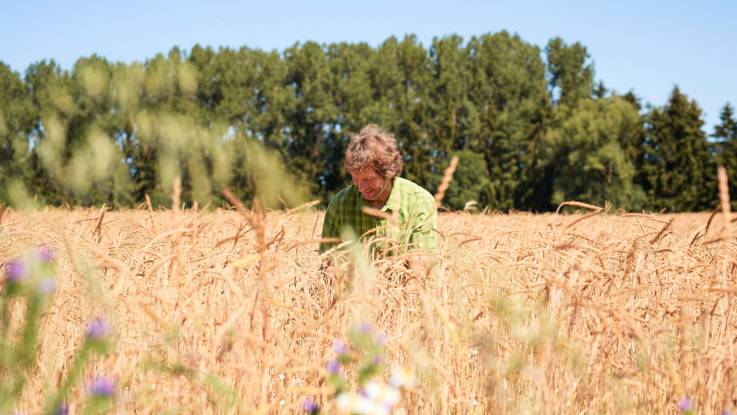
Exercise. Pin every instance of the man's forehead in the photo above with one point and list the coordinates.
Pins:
(365, 173)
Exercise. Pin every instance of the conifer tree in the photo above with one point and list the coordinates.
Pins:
(678, 169)
(726, 133)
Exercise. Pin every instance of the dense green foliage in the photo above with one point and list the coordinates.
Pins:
(726, 149)
(532, 127)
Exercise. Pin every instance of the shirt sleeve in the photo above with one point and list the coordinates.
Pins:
(330, 226)
(423, 235)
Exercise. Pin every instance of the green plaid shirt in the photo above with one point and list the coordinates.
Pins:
(411, 205)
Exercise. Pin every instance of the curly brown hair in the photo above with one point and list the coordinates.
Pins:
(376, 148)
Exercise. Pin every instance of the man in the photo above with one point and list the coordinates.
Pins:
(401, 216)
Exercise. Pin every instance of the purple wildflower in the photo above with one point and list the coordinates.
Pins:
(16, 270)
(365, 328)
(685, 404)
(340, 348)
(310, 406)
(726, 412)
(333, 367)
(45, 253)
(381, 339)
(98, 329)
(47, 286)
(62, 409)
(102, 387)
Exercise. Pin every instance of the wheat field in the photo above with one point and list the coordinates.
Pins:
(228, 312)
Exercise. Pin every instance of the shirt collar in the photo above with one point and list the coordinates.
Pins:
(392, 203)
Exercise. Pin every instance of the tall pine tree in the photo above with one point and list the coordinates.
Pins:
(678, 170)
(726, 133)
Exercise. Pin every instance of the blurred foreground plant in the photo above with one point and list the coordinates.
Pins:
(28, 287)
(363, 356)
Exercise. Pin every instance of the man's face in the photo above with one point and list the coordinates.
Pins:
(371, 185)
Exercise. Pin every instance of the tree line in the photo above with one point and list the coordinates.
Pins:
(532, 126)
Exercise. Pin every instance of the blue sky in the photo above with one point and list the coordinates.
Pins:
(647, 46)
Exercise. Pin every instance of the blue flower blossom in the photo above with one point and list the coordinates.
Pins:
(47, 286)
(45, 253)
(98, 329)
(310, 406)
(365, 328)
(16, 271)
(62, 409)
(340, 348)
(102, 387)
(333, 367)
(685, 404)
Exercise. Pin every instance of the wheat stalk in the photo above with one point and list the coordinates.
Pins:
(445, 181)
